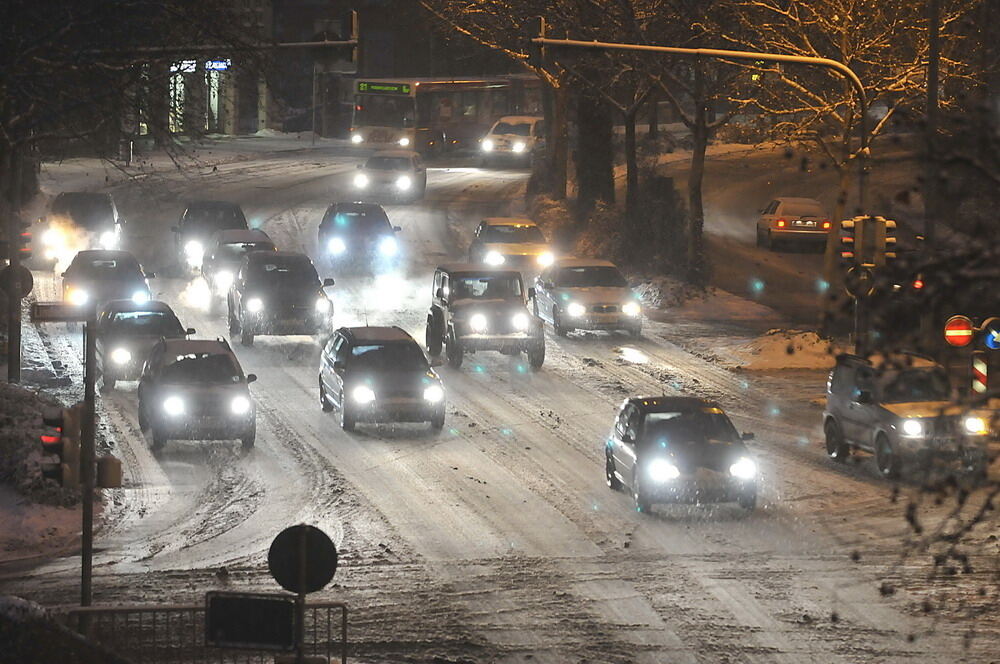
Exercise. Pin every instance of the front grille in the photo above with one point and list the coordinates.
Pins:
(208, 405)
(604, 309)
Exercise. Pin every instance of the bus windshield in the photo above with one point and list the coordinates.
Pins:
(383, 111)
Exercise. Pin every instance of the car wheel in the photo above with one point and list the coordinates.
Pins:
(886, 458)
(248, 440)
(454, 351)
(324, 399)
(347, 417)
(642, 503)
(635, 330)
(246, 336)
(836, 447)
(557, 323)
(107, 384)
(432, 338)
(437, 422)
(760, 237)
(143, 418)
(159, 439)
(536, 356)
(748, 499)
(610, 478)
(769, 242)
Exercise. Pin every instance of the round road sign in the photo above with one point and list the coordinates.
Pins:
(302, 559)
(958, 331)
(991, 333)
(27, 281)
(859, 281)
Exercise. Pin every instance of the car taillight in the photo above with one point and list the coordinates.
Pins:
(918, 284)
(826, 225)
(780, 223)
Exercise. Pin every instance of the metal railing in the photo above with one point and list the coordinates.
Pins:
(175, 633)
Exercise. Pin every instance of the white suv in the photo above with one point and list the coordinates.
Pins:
(513, 138)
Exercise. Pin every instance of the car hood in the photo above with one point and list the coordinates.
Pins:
(136, 343)
(288, 295)
(689, 457)
(469, 306)
(516, 248)
(396, 382)
(920, 409)
(108, 289)
(596, 295)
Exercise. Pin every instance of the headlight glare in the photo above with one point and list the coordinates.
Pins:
(631, 309)
(121, 356)
(487, 145)
(223, 280)
(494, 258)
(363, 394)
(661, 470)
(322, 305)
(521, 322)
(478, 323)
(388, 247)
(404, 141)
(913, 428)
(360, 180)
(518, 147)
(254, 305)
(975, 426)
(403, 182)
(545, 258)
(336, 246)
(744, 469)
(575, 309)
(173, 406)
(109, 239)
(51, 237)
(239, 405)
(140, 297)
(78, 297)
(357, 138)
(433, 393)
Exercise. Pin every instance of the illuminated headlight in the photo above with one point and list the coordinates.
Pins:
(575, 309)
(109, 239)
(433, 393)
(494, 258)
(357, 138)
(78, 297)
(173, 406)
(744, 469)
(975, 426)
(404, 141)
(322, 306)
(223, 280)
(478, 323)
(121, 356)
(631, 309)
(363, 394)
(913, 428)
(388, 246)
(521, 322)
(545, 258)
(140, 297)
(254, 305)
(239, 405)
(194, 251)
(360, 180)
(518, 147)
(52, 237)
(336, 246)
(487, 145)
(661, 470)
(403, 182)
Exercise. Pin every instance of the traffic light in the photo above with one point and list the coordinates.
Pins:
(62, 440)
(355, 36)
(848, 227)
(23, 240)
(536, 52)
(888, 240)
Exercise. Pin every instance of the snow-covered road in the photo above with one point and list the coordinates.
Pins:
(497, 539)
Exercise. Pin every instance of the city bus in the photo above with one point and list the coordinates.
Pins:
(438, 115)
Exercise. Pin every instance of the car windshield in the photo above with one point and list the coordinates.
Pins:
(517, 129)
(86, 210)
(699, 426)
(804, 209)
(488, 287)
(234, 251)
(388, 357)
(105, 268)
(214, 218)
(915, 385)
(388, 164)
(151, 323)
(287, 272)
(358, 222)
(590, 277)
(202, 368)
(513, 234)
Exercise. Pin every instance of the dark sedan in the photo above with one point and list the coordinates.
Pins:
(97, 276)
(126, 332)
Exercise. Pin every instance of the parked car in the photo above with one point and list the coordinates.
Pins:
(98, 275)
(476, 308)
(126, 332)
(379, 374)
(511, 242)
(901, 409)
(196, 390)
(199, 221)
(586, 294)
(513, 139)
(225, 252)
(396, 174)
(278, 292)
(679, 450)
(358, 235)
(792, 220)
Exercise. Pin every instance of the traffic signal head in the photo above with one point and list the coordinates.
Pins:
(22, 243)
(536, 52)
(889, 241)
(62, 441)
(847, 232)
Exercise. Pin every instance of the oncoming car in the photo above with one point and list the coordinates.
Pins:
(79, 220)
(196, 390)
(379, 374)
(358, 234)
(586, 294)
(476, 308)
(126, 332)
(792, 220)
(398, 174)
(200, 220)
(225, 252)
(679, 450)
(513, 138)
(510, 242)
(98, 275)
(278, 292)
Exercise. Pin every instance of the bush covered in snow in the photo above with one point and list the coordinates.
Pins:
(20, 450)
(28, 633)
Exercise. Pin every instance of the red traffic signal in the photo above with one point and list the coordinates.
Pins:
(958, 331)
(62, 440)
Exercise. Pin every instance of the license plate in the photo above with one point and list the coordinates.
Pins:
(804, 222)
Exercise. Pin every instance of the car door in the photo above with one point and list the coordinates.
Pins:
(239, 284)
(326, 359)
(767, 215)
(858, 414)
(338, 374)
(476, 248)
(543, 295)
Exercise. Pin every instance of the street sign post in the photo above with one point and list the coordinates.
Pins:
(980, 372)
(959, 331)
(25, 283)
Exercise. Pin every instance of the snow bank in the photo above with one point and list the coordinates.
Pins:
(786, 349)
(28, 633)
(702, 304)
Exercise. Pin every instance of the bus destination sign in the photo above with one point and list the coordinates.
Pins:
(384, 88)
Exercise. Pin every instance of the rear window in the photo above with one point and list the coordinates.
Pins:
(802, 210)
(513, 234)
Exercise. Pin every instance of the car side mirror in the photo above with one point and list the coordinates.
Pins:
(189, 331)
(397, 229)
(251, 378)
(328, 282)
(531, 293)
(439, 293)
(63, 275)
(864, 396)
(746, 435)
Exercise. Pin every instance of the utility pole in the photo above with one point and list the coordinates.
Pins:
(87, 456)
(931, 175)
(14, 170)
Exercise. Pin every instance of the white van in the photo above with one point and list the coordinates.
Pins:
(513, 138)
